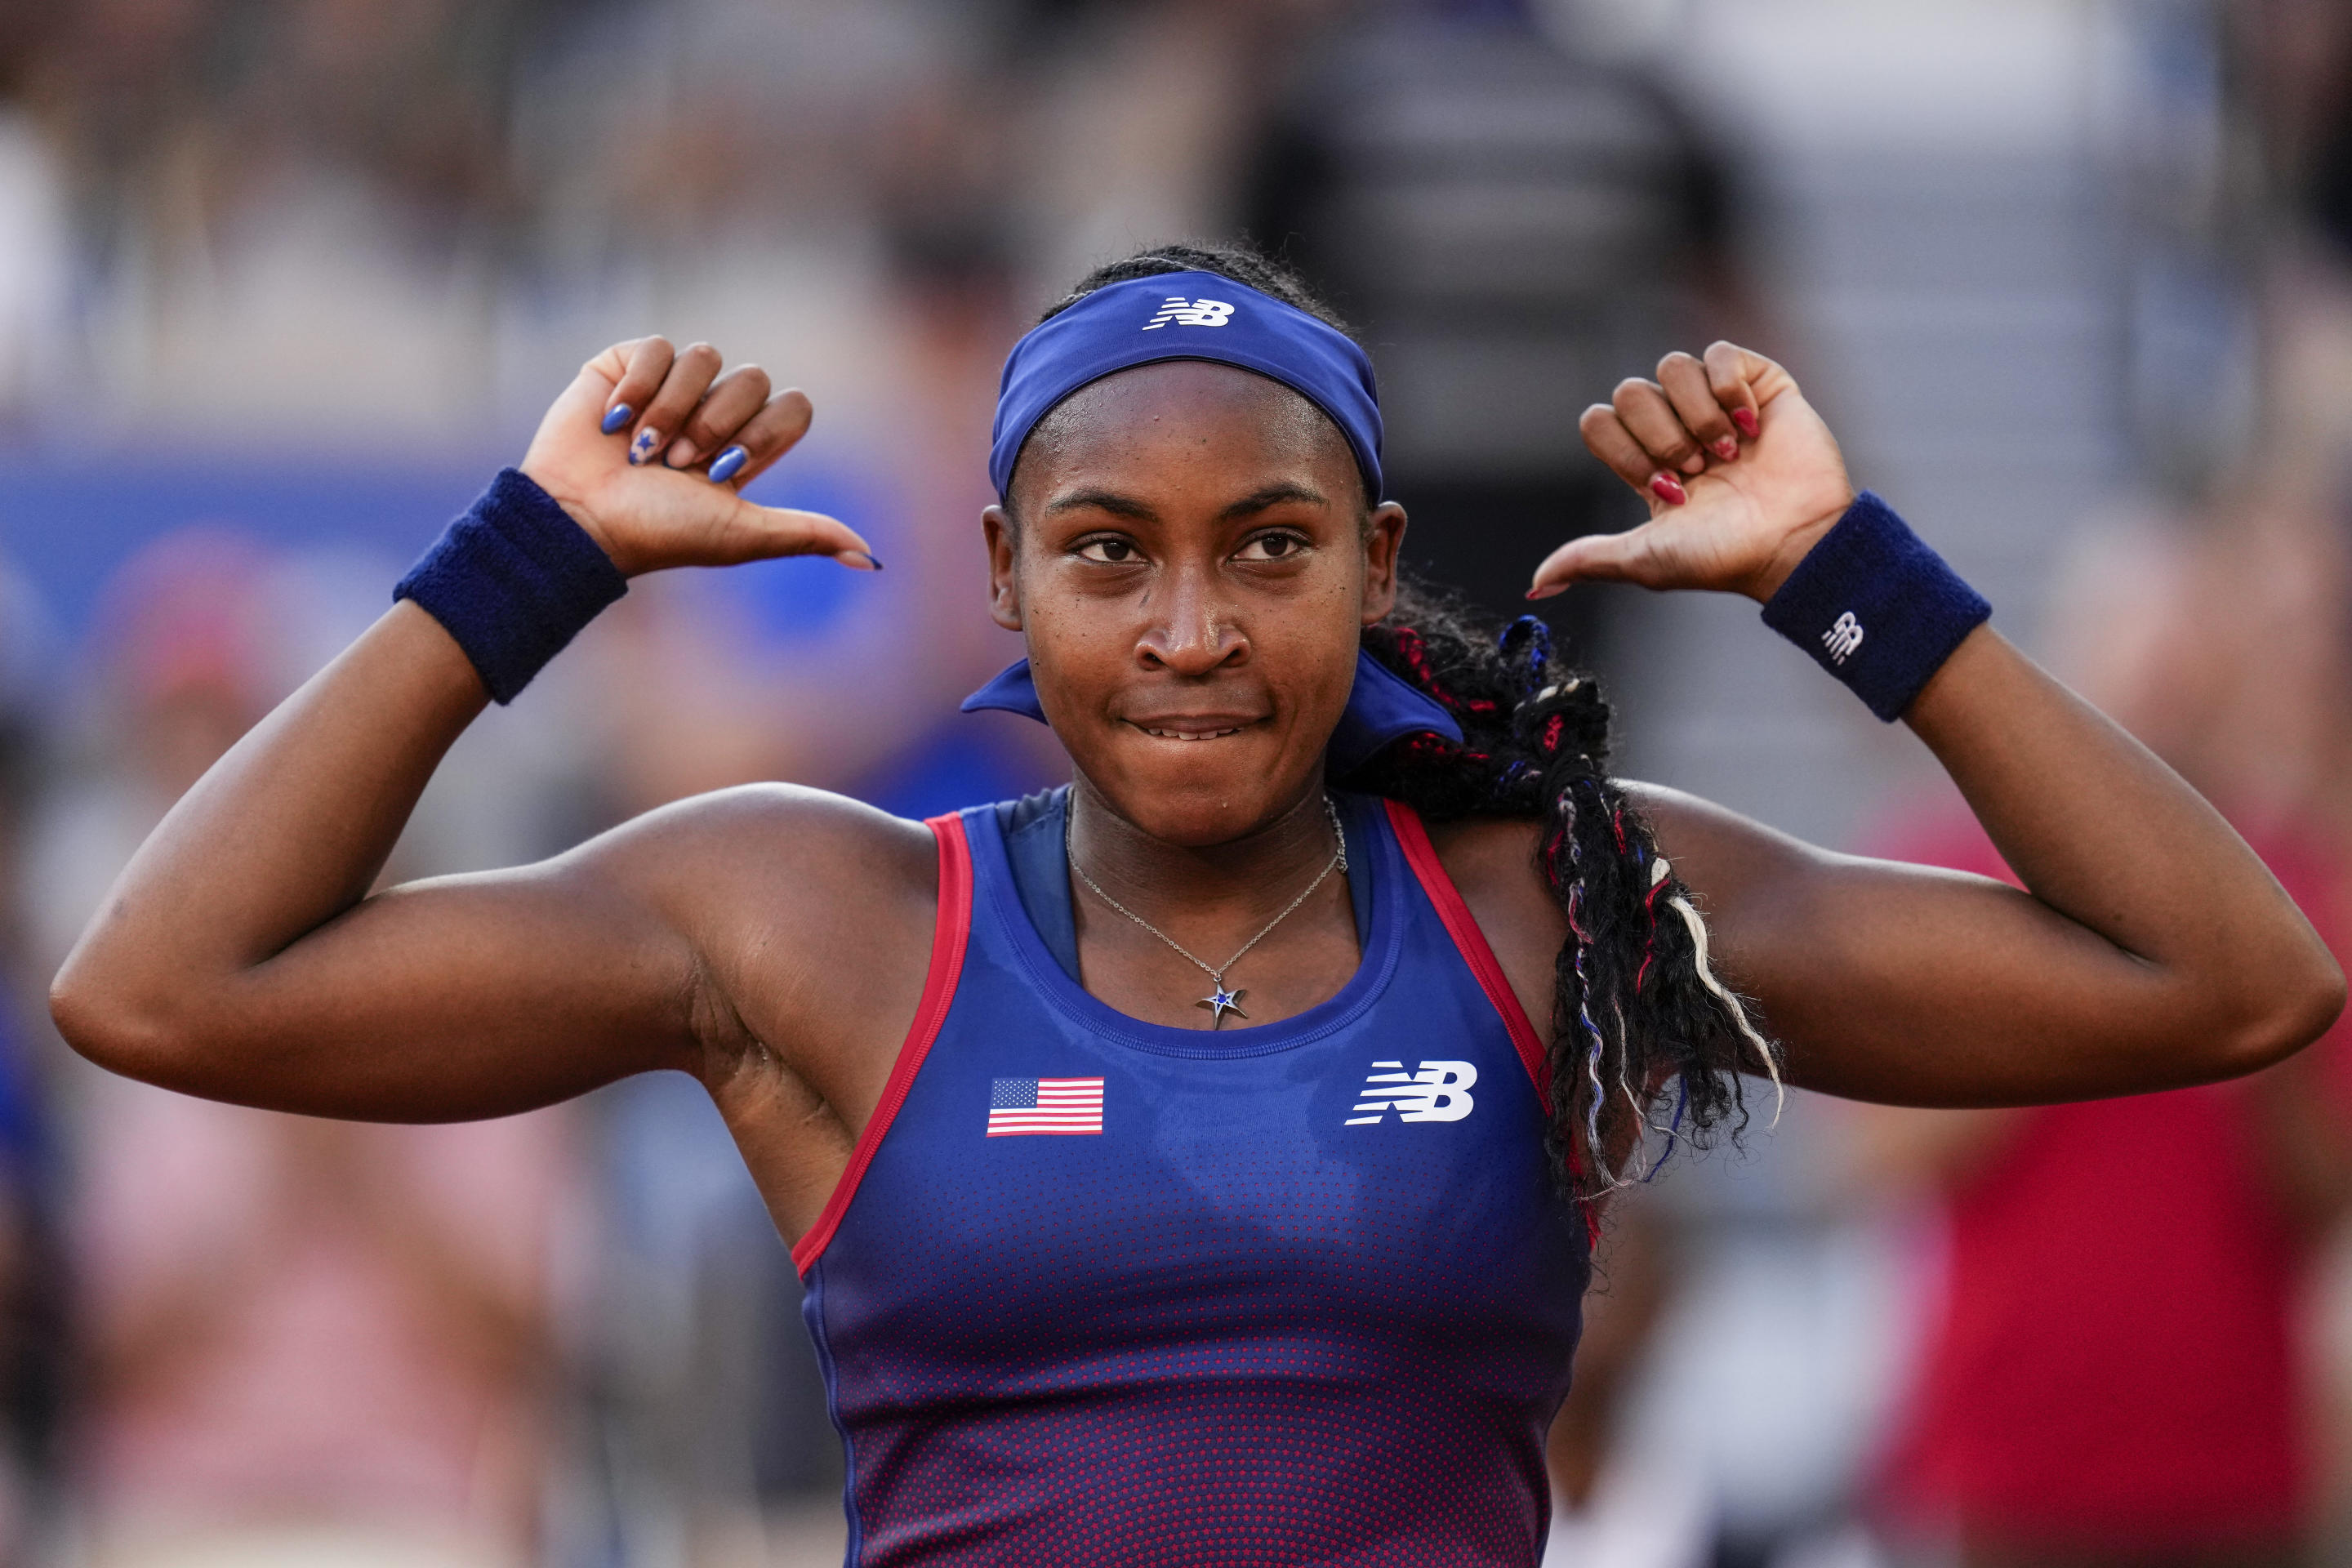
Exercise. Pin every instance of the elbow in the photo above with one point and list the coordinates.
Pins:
(170, 1031)
(106, 1027)
(2302, 1003)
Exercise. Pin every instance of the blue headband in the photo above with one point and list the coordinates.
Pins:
(1380, 708)
(1186, 315)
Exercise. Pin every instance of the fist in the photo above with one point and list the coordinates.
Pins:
(649, 449)
(1740, 474)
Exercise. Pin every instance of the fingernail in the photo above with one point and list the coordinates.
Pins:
(1543, 593)
(1728, 448)
(856, 555)
(617, 417)
(1746, 419)
(680, 454)
(641, 448)
(725, 466)
(1667, 488)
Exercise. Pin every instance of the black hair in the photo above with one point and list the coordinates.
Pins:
(1238, 262)
(1637, 1011)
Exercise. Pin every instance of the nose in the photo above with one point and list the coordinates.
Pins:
(1195, 631)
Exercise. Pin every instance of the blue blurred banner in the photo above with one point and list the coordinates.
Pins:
(68, 525)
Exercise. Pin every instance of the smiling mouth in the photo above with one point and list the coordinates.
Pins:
(1192, 732)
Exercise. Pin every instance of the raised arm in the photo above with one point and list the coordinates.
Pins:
(240, 956)
(2153, 949)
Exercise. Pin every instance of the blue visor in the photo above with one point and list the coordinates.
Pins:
(1186, 315)
(1381, 708)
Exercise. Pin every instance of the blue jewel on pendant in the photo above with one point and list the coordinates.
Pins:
(1221, 1002)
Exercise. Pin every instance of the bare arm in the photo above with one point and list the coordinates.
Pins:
(239, 957)
(2152, 949)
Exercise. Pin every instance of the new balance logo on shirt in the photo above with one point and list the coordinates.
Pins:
(1189, 314)
(1437, 1091)
(1843, 636)
(1029, 1107)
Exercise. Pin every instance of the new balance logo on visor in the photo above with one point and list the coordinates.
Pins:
(1027, 1107)
(1189, 314)
(1843, 636)
(1439, 1091)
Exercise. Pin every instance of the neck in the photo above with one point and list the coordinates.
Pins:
(1202, 888)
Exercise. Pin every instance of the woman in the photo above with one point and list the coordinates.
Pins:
(1116, 1253)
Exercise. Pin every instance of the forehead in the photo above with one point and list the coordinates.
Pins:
(1183, 420)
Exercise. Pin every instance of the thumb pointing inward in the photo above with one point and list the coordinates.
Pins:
(786, 530)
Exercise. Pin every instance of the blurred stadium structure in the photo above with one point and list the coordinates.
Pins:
(281, 281)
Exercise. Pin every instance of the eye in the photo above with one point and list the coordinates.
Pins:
(1277, 546)
(1110, 551)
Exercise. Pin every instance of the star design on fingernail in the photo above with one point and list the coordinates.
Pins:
(643, 447)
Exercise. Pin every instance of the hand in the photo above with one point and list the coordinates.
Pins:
(649, 449)
(1731, 515)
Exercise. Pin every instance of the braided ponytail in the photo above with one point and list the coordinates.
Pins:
(1637, 1007)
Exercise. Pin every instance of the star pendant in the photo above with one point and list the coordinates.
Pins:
(1222, 1002)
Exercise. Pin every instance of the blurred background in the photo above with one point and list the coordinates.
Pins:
(282, 282)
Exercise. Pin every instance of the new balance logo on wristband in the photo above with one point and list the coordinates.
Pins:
(1440, 1091)
(1189, 314)
(1843, 636)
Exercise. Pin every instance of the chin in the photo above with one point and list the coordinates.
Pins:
(1231, 790)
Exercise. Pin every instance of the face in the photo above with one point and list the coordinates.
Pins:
(1191, 565)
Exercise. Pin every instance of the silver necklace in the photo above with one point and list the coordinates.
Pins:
(1220, 1001)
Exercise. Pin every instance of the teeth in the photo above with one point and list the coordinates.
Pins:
(1182, 735)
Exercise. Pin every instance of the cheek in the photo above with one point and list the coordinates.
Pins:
(1075, 642)
(1313, 641)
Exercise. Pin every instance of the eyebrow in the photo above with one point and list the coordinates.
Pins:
(1110, 501)
(1274, 495)
(1127, 506)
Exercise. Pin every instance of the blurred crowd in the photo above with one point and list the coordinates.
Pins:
(282, 280)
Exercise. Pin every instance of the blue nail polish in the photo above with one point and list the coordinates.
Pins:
(617, 418)
(871, 559)
(643, 447)
(728, 464)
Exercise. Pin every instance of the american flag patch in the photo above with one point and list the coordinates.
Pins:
(1025, 1107)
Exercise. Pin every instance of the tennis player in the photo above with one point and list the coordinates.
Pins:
(1195, 1165)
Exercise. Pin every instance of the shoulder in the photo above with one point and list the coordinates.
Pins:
(821, 842)
(1496, 856)
(1722, 856)
(764, 877)
(1491, 862)
(813, 916)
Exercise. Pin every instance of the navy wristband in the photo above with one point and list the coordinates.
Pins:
(513, 581)
(1875, 607)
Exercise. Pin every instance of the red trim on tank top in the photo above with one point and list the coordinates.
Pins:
(1460, 924)
(1463, 927)
(948, 938)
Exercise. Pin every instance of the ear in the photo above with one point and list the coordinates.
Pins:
(1383, 539)
(1004, 553)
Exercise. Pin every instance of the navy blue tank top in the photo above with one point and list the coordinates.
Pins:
(1099, 1291)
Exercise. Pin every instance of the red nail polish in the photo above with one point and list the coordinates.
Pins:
(1746, 419)
(1667, 488)
(1728, 448)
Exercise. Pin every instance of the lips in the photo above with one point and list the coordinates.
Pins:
(1194, 726)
